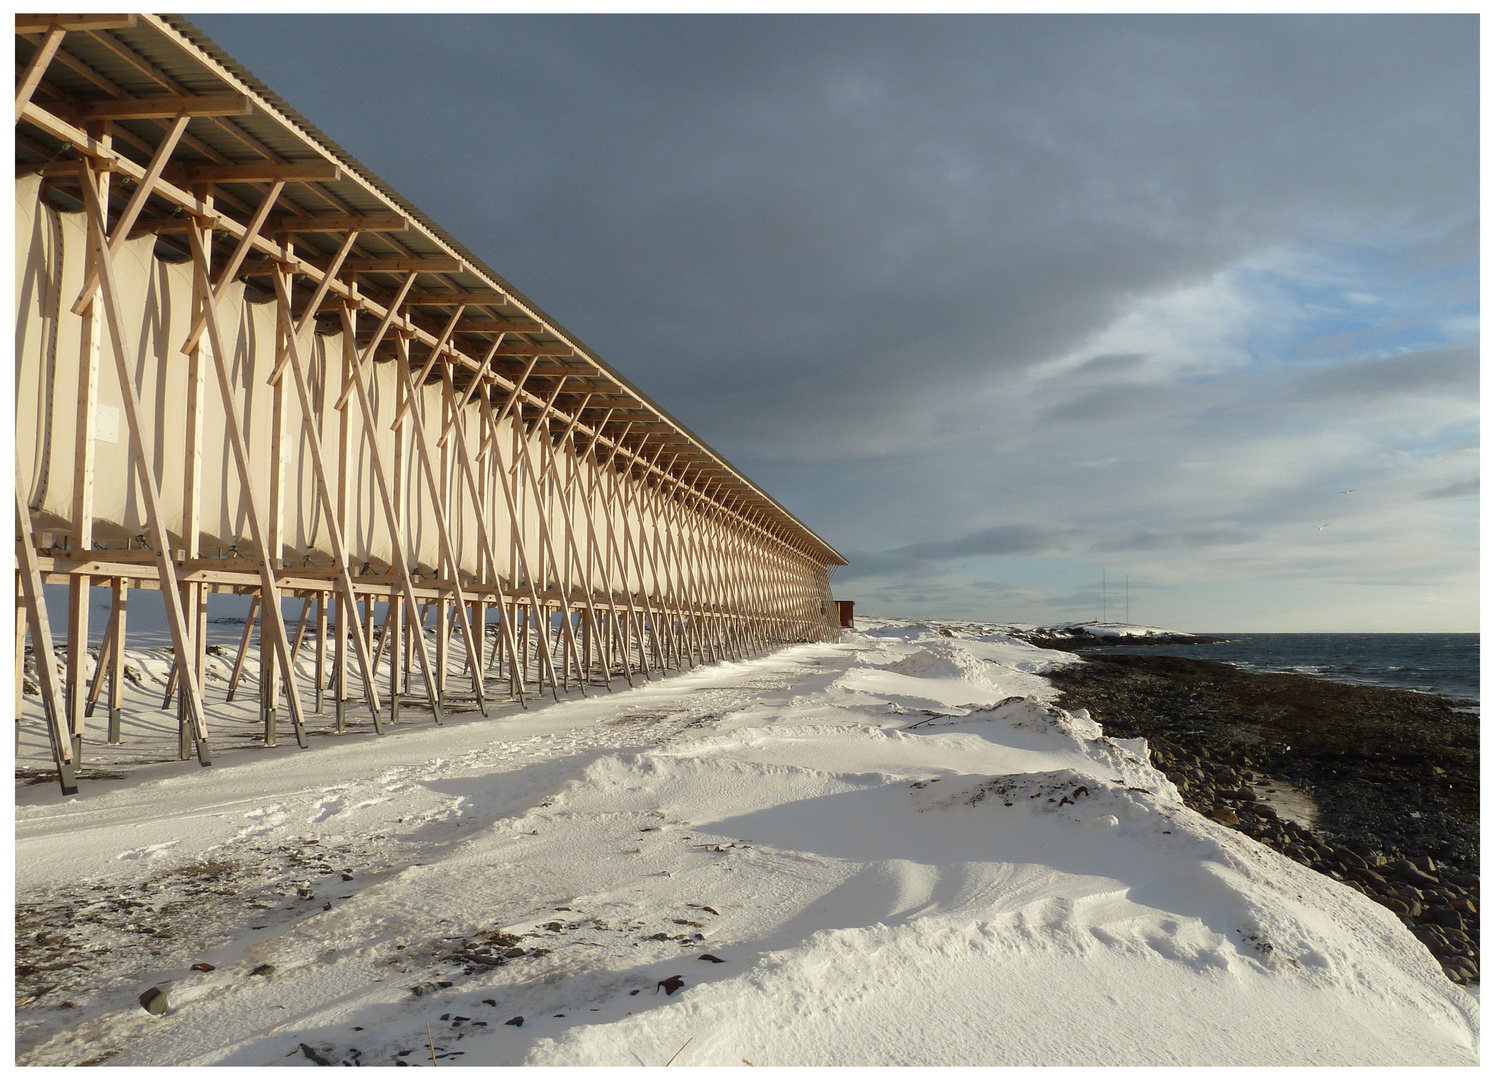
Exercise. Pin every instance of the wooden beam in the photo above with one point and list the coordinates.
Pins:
(535, 348)
(37, 24)
(328, 223)
(440, 264)
(263, 172)
(500, 326)
(37, 67)
(155, 108)
(481, 297)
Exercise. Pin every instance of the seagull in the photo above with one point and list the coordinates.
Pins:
(1346, 492)
(1322, 527)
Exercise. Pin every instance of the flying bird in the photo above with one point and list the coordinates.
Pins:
(1322, 527)
(1346, 492)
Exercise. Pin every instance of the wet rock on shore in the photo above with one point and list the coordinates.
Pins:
(1394, 776)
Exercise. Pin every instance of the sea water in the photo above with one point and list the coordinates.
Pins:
(1432, 663)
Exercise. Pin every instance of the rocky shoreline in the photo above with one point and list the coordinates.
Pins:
(1393, 774)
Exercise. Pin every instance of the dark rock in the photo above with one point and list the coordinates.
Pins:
(1392, 903)
(264, 969)
(1349, 860)
(203, 967)
(154, 1001)
(1224, 815)
(1407, 871)
(517, 1021)
(1364, 754)
(312, 1055)
(1443, 916)
(670, 985)
(713, 959)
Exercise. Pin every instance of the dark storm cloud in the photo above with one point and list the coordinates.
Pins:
(785, 217)
(840, 248)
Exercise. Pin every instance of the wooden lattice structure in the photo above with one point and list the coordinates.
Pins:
(245, 364)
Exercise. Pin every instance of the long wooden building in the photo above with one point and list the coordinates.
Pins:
(244, 364)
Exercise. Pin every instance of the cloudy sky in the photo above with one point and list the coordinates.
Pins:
(1002, 307)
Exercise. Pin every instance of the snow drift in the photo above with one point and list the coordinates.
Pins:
(891, 850)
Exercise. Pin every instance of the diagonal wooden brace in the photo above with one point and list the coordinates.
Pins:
(324, 492)
(231, 268)
(472, 489)
(391, 520)
(41, 640)
(368, 352)
(160, 542)
(271, 616)
(36, 67)
(136, 204)
(448, 553)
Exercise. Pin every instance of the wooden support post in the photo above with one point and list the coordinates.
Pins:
(335, 510)
(483, 539)
(41, 641)
(170, 590)
(249, 621)
(439, 497)
(392, 627)
(271, 615)
(91, 342)
(397, 547)
(20, 661)
(321, 649)
(101, 664)
(532, 474)
(507, 485)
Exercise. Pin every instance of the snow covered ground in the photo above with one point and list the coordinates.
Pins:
(891, 850)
